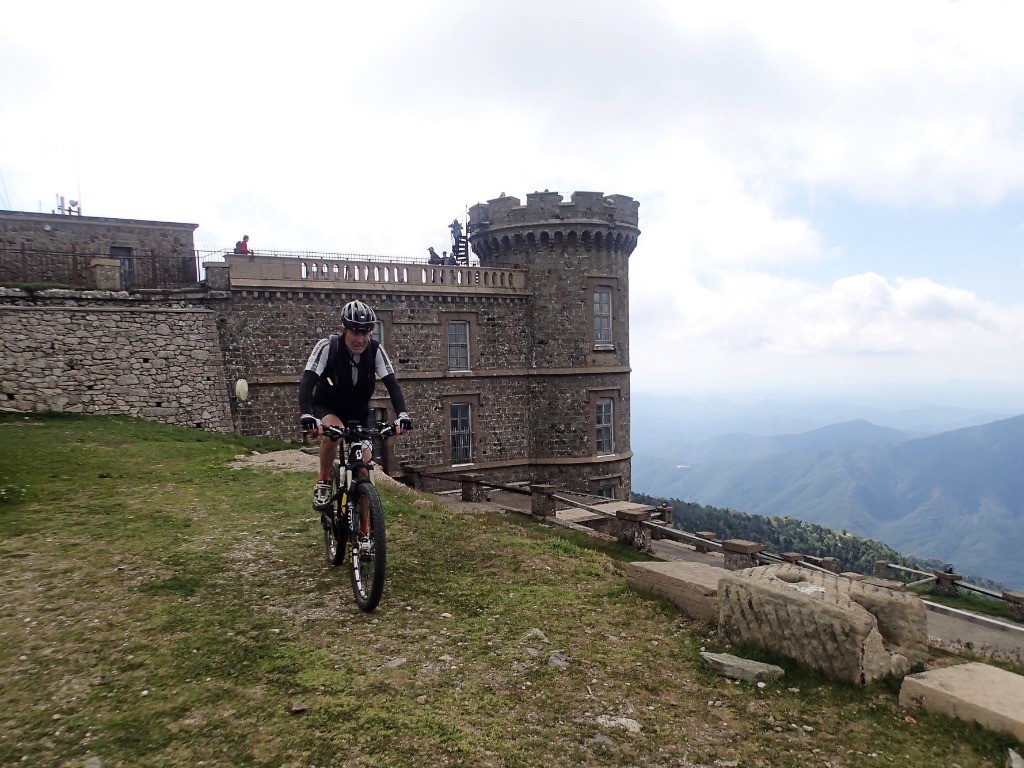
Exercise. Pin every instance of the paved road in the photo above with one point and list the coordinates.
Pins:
(992, 637)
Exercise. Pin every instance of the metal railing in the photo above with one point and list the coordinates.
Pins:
(24, 266)
(73, 268)
(218, 254)
(927, 578)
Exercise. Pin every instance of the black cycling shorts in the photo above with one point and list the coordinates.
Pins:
(323, 409)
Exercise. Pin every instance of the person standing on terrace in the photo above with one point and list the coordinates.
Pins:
(242, 246)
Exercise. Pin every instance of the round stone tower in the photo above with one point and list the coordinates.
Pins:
(576, 255)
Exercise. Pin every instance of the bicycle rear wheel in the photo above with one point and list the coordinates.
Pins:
(369, 547)
(334, 523)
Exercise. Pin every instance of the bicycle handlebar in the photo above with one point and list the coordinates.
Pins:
(358, 431)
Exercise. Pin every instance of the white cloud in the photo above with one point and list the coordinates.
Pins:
(366, 128)
(752, 328)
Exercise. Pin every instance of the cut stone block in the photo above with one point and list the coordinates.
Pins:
(853, 631)
(975, 693)
(742, 546)
(692, 587)
(741, 669)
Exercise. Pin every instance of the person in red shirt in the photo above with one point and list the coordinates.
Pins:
(242, 246)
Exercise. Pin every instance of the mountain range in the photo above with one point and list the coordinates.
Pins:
(956, 496)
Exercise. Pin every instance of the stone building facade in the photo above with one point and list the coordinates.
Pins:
(56, 248)
(516, 369)
(575, 257)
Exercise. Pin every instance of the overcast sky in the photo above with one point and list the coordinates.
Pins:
(831, 194)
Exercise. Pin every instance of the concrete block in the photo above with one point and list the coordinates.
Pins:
(975, 693)
(742, 546)
(106, 274)
(1014, 604)
(740, 554)
(707, 536)
(541, 503)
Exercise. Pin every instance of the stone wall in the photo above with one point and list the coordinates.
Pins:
(108, 353)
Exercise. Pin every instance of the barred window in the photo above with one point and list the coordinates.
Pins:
(602, 314)
(461, 433)
(458, 345)
(604, 439)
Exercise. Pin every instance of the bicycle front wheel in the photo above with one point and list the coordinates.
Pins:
(369, 547)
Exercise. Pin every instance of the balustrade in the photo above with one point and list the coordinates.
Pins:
(320, 270)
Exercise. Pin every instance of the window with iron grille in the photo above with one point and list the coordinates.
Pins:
(461, 433)
(604, 438)
(602, 314)
(458, 345)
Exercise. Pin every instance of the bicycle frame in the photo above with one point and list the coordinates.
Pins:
(354, 523)
(352, 439)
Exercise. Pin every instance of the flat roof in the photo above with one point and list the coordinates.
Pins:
(63, 217)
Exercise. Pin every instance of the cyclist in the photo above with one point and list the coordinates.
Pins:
(338, 383)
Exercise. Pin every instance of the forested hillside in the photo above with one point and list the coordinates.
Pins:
(957, 497)
(780, 534)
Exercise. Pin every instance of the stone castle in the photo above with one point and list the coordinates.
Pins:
(516, 368)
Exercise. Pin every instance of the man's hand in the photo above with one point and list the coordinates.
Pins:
(402, 423)
(310, 424)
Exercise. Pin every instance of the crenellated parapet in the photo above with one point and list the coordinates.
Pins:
(588, 221)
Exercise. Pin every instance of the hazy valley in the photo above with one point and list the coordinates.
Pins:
(931, 482)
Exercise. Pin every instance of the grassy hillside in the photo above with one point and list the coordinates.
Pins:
(163, 609)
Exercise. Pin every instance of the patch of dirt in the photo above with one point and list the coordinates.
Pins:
(297, 460)
(294, 460)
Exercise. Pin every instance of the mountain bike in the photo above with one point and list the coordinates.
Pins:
(354, 522)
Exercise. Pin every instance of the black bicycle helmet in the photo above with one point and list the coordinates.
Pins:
(357, 316)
